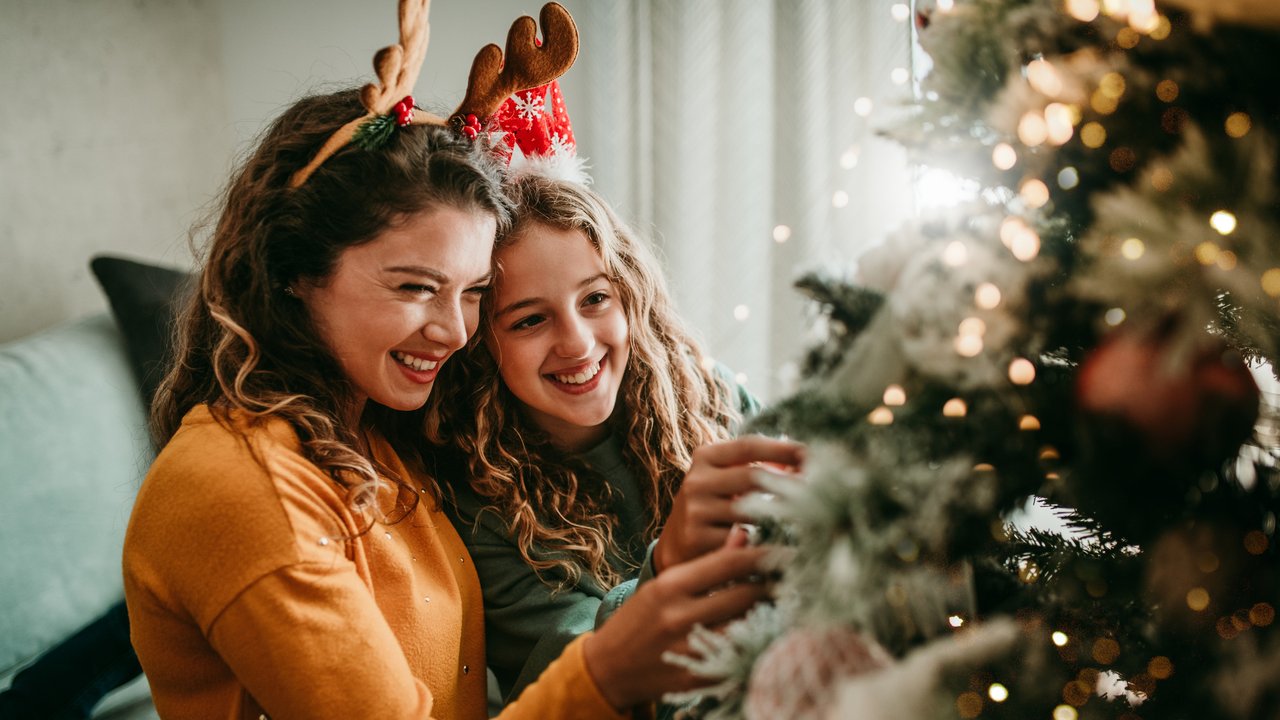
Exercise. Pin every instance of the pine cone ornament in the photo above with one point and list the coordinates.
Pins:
(796, 676)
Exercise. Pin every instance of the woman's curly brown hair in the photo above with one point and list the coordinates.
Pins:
(243, 343)
(670, 402)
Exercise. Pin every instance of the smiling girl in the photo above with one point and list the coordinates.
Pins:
(585, 426)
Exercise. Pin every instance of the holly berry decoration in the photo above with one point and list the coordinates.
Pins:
(471, 127)
(797, 676)
(403, 111)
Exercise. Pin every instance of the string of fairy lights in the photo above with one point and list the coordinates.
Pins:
(1058, 121)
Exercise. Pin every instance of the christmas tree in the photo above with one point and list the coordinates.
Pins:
(1081, 333)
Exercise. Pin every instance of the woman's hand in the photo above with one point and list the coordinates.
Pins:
(703, 513)
(624, 656)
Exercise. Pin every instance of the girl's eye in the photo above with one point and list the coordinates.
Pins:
(596, 298)
(417, 289)
(527, 322)
(478, 291)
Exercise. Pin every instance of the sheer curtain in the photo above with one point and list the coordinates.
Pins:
(741, 136)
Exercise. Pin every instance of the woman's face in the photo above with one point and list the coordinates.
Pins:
(397, 307)
(559, 332)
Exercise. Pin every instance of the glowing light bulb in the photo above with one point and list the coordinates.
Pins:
(1223, 221)
(1021, 371)
(1084, 11)
(1044, 78)
(881, 416)
(1068, 178)
(894, 395)
(973, 326)
(863, 106)
(741, 312)
(955, 621)
(1003, 156)
(968, 345)
(955, 254)
(955, 408)
(1060, 638)
(1059, 123)
(1114, 316)
(900, 12)
(899, 76)
(1133, 248)
(781, 233)
(998, 692)
(1034, 193)
(1032, 130)
(839, 199)
(987, 295)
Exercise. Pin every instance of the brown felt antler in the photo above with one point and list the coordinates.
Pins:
(526, 64)
(397, 67)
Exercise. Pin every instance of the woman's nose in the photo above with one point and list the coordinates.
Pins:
(449, 326)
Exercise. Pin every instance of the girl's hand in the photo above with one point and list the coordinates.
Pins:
(624, 656)
(703, 513)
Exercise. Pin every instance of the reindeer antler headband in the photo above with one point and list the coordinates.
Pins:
(528, 64)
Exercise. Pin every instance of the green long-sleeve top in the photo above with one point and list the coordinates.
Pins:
(528, 623)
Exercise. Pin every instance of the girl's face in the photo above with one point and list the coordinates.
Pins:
(395, 308)
(559, 332)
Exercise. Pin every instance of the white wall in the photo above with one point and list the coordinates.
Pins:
(112, 132)
(121, 119)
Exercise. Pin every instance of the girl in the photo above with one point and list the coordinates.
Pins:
(573, 425)
(287, 556)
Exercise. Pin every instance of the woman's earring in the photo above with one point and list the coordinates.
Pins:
(288, 290)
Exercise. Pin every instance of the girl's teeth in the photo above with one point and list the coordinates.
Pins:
(414, 362)
(579, 378)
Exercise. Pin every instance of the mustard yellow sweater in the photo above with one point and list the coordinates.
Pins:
(247, 598)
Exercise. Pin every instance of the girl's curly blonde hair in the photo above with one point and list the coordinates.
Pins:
(670, 402)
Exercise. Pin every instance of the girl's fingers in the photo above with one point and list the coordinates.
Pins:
(752, 448)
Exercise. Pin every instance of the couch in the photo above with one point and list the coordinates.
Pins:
(73, 450)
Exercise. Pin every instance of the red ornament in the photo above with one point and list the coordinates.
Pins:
(1205, 406)
(404, 111)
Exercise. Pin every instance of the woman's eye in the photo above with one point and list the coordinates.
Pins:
(595, 298)
(416, 289)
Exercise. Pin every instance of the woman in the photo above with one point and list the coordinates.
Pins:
(586, 426)
(287, 556)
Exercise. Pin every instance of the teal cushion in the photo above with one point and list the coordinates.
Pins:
(73, 450)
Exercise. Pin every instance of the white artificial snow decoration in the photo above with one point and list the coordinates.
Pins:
(568, 167)
(1111, 686)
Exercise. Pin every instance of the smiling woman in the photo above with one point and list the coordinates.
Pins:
(395, 308)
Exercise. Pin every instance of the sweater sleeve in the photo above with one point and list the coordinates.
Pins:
(319, 622)
(566, 690)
